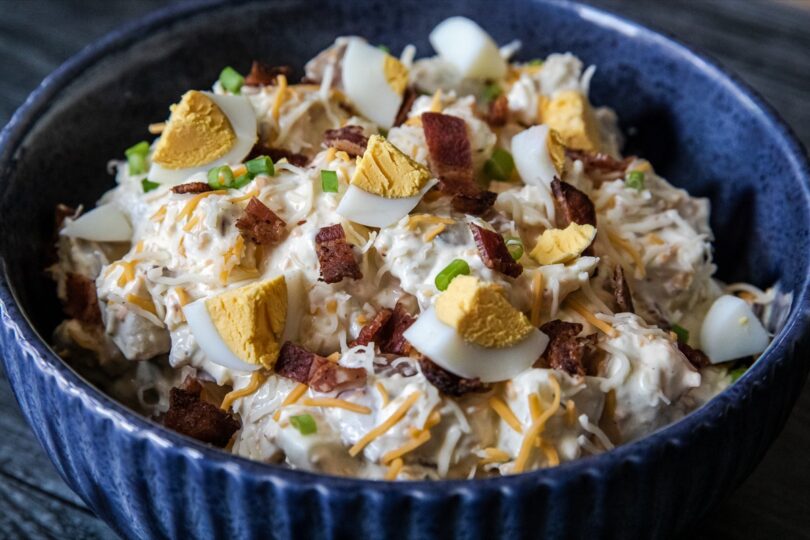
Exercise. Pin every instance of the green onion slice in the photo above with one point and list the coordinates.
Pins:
(457, 267)
(635, 180)
(220, 177)
(736, 373)
(681, 332)
(260, 165)
(536, 62)
(136, 157)
(304, 423)
(242, 180)
(500, 166)
(329, 181)
(148, 185)
(491, 91)
(384, 48)
(515, 247)
(231, 80)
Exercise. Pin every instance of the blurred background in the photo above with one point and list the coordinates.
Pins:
(766, 42)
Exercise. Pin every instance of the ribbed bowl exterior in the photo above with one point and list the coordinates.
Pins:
(147, 482)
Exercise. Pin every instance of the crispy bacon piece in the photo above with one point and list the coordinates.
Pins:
(82, 301)
(565, 350)
(296, 363)
(277, 154)
(408, 98)
(350, 139)
(191, 416)
(375, 330)
(621, 291)
(262, 74)
(192, 187)
(385, 330)
(335, 255)
(600, 167)
(498, 112)
(696, 357)
(492, 249)
(259, 224)
(449, 383)
(572, 205)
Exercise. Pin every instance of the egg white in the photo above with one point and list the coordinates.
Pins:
(731, 330)
(242, 117)
(444, 346)
(103, 224)
(372, 210)
(469, 48)
(365, 85)
(532, 158)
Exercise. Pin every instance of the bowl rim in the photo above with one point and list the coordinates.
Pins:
(39, 102)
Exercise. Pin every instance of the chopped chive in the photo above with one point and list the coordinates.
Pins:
(681, 332)
(220, 177)
(136, 157)
(231, 80)
(491, 91)
(242, 180)
(384, 49)
(148, 185)
(635, 180)
(260, 165)
(500, 165)
(515, 247)
(736, 373)
(304, 423)
(457, 267)
(329, 181)
(535, 62)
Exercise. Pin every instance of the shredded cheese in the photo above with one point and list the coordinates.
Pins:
(256, 380)
(590, 317)
(534, 406)
(182, 296)
(494, 455)
(628, 248)
(127, 271)
(537, 303)
(336, 403)
(191, 205)
(536, 428)
(139, 247)
(343, 156)
(159, 215)
(191, 224)
(246, 197)
(181, 248)
(552, 456)
(409, 446)
(418, 219)
(393, 469)
(334, 357)
(570, 412)
(281, 95)
(436, 101)
(387, 424)
(414, 121)
(383, 393)
(145, 304)
(291, 398)
(330, 154)
(503, 410)
(434, 232)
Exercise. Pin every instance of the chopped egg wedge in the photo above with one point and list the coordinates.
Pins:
(539, 155)
(105, 223)
(385, 187)
(204, 130)
(570, 114)
(374, 81)
(466, 46)
(731, 330)
(556, 246)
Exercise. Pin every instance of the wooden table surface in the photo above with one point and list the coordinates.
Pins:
(765, 42)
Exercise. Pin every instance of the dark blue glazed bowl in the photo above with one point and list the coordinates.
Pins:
(701, 127)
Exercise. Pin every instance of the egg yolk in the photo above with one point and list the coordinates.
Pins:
(570, 114)
(385, 171)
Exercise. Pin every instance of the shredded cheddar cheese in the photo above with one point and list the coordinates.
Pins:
(191, 223)
(590, 317)
(343, 156)
(387, 424)
(256, 380)
(418, 219)
(181, 248)
(534, 406)
(570, 412)
(628, 248)
(393, 469)
(537, 303)
(330, 154)
(281, 95)
(294, 395)
(503, 410)
(191, 205)
(246, 197)
(334, 357)
(494, 455)
(182, 296)
(159, 215)
(536, 428)
(127, 271)
(409, 446)
(434, 232)
(552, 456)
(145, 304)
(139, 247)
(383, 393)
(336, 403)
(436, 101)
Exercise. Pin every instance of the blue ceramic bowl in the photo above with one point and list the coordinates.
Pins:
(700, 126)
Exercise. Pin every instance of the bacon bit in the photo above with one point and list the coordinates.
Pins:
(192, 187)
(449, 147)
(303, 366)
(696, 357)
(335, 255)
(469, 198)
(386, 330)
(374, 331)
(447, 382)
(408, 97)
(190, 415)
(349, 139)
(498, 112)
(600, 167)
(277, 154)
(82, 301)
(493, 252)
(565, 350)
(262, 74)
(259, 224)
(621, 291)
(572, 205)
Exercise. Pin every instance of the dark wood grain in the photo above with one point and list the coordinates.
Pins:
(767, 43)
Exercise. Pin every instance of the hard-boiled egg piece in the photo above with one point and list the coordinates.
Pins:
(570, 114)
(374, 81)
(731, 330)
(103, 224)
(205, 130)
(557, 246)
(539, 155)
(469, 48)
(473, 331)
(243, 328)
(385, 187)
